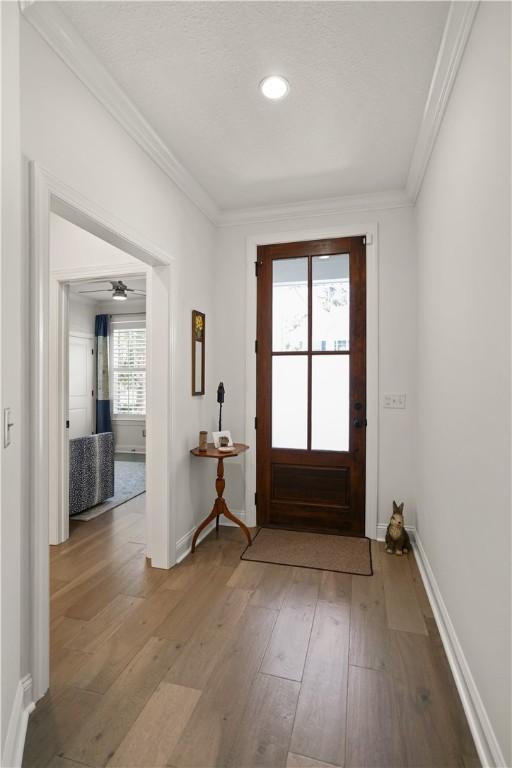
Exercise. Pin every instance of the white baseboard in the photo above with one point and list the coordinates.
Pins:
(240, 514)
(486, 743)
(17, 728)
(382, 528)
(184, 545)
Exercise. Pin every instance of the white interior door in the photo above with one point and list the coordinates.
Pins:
(81, 386)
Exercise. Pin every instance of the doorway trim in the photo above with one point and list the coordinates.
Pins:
(48, 194)
(370, 231)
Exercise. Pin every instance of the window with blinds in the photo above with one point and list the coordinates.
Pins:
(129, 370)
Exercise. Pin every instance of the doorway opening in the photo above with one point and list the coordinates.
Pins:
(107, 375)
(311, 385)
(52, 284)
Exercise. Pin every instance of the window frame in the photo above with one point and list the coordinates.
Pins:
(129, 322)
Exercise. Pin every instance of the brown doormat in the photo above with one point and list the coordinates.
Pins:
(345, 554)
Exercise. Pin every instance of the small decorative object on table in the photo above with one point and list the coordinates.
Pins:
(222, 441)
(203, 440)
(397, 538)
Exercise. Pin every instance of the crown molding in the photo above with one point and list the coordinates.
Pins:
(372, 201)
(461, 15)
(63, 38)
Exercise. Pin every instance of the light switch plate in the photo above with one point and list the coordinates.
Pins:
(394, 401)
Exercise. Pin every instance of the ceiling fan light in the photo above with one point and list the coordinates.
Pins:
(119, 294)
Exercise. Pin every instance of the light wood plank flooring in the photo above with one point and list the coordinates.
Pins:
(234, 664)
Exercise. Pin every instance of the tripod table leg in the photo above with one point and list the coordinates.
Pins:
(213, 514)
(235, 519)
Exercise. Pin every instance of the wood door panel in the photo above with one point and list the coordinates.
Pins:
(305, 488)
(307, 458)
(309, 517)
(321, 485)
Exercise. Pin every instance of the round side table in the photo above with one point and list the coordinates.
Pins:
(220, 507)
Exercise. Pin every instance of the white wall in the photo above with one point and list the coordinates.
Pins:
(59, 119)
(129, 436)
(13, 524)
(397, 287)
(81, 315)
(69, 133)
(72, 246)
(463, 220)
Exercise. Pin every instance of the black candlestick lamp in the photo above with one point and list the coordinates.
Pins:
(220, 400)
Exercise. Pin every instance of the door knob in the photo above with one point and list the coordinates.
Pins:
(357, 423)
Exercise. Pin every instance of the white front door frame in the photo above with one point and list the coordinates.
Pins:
(370, 231)
(48, 194)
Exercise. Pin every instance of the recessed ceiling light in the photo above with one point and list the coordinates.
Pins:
(274, 87)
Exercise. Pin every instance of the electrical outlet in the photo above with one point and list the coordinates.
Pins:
(394, 401)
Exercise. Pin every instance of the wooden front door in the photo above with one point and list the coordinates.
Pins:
(311, 385)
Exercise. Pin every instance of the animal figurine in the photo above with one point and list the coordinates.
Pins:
(397, 538)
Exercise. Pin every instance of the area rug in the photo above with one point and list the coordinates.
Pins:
(345, 554)
(129, 481)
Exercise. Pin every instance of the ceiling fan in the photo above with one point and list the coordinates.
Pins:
(119, 290)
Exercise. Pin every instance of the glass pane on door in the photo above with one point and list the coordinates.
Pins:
(290, 401)
(290, 305)
(330, 385)
(331, 302)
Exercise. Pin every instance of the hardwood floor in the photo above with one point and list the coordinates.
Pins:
(221, 662)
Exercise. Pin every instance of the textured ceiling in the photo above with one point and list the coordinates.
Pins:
(359, 75)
